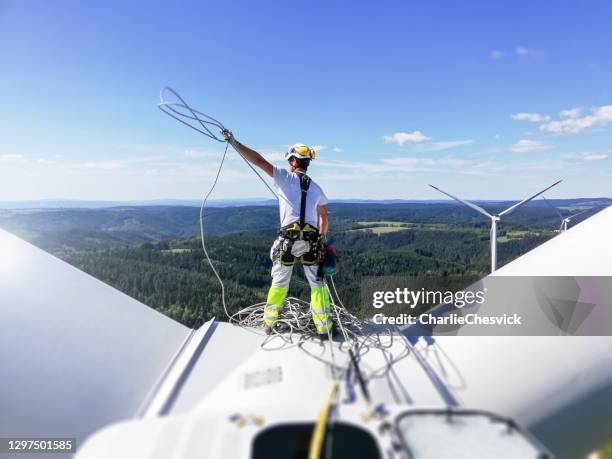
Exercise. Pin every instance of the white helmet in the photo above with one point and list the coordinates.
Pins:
(300, 151)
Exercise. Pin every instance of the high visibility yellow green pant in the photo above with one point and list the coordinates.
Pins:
(319, 296)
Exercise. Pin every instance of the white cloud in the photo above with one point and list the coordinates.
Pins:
(571, 121)
(595, 157)
(532, 117)
(102, 165)
(320, 148)
(436, 146)
(384, 166)
(598, 117)
(199, 154)
(521, 51)
(570, 113)
(530, 146)
(400, 167)
(11, 158)
(411, 163)
(423, 143)
(406, 137)
(524, 51)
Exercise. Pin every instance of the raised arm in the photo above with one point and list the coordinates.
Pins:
(323, 220)
(250, 155)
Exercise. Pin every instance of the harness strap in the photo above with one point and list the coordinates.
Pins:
(304, 185)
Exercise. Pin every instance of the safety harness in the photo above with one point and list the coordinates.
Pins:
(301, 229)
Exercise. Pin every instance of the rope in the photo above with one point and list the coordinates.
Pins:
(181, 111)
(295, 318)
(202, 238)
(173, 109)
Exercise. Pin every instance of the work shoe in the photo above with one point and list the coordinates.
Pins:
(268, 329)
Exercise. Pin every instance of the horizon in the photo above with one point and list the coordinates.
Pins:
(484, 100)
(59, 203)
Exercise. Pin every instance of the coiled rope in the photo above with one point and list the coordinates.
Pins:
(187, 115)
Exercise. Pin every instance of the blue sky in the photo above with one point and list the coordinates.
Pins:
(489, 100)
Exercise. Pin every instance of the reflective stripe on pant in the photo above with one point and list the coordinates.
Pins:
(319, 300)
(276, 295)
(281, 276)
(320, 309)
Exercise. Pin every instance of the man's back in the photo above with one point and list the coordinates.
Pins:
(288, 185)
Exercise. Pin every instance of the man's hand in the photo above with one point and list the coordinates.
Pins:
(227, 134)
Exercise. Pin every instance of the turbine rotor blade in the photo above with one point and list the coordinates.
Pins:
(580, 213)
(467, 203)
(518, 204)
(553, 207)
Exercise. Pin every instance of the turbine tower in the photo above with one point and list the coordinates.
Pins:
(564, 220)
(494, 218)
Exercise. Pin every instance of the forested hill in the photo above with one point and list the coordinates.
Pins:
(173, 276)
(154, 255)
(90, 229)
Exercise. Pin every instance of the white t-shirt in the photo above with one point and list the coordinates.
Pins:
(288, 186)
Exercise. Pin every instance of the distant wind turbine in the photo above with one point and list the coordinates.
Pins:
(495, 218)
(564, 220)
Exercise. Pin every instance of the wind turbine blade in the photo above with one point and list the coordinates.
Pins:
(553, 207)
(561, 226)
(469, 204)
(580, 213)
(518, 204)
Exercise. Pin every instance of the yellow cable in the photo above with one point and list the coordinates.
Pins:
(316, 442)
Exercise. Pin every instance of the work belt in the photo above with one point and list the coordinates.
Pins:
(295, 231)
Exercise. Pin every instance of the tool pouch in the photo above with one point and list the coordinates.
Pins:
(329, 264)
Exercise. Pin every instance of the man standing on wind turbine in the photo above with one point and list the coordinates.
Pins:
(494, 218)
(304, 225)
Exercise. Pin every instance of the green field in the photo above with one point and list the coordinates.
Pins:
(521, 234)
(176, 250)
(383, 227)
